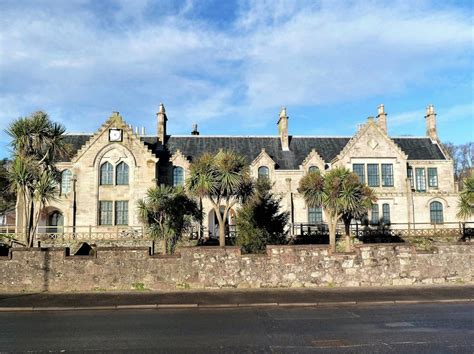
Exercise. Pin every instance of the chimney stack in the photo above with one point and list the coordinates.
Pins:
(162, 119)
(143, 131)
(431, 122)
(283, 130)
(195, 129)
(382, 118)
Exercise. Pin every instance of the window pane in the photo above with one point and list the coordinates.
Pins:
(106, 174)
(263, 172)
(436, 213)
(315, 215)
(313, 169)
(121, 213)
(420, 179)
(373, 175)
(375, 214)
(358, 169)
(386, 213)
(66, 178)
(105, 213)
(122, 174)
(387, 175)
(178, 176)
(433, 177)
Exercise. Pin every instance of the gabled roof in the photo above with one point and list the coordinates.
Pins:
(327, 147)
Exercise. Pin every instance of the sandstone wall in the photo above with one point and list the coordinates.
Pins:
(212, 267)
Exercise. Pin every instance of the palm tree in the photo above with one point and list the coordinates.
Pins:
(37, 144)
(340, 194)
(224, 179)
(466, 199)
(167, 212)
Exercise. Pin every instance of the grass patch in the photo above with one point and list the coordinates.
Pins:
(138, 286)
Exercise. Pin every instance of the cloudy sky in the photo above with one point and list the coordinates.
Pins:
(230, 65)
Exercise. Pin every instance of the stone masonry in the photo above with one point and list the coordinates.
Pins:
(123, 269)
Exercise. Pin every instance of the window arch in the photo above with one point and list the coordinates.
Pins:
(121, 174)
(263, 172)
(106, 173)
(313, 169)
(436, 213)
(178, 176)
(66, 181)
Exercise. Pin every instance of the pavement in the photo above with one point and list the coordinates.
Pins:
(232, 298)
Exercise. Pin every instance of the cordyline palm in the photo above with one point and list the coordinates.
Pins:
(224, 179)
(339, 193)
(167, 212)
(37, 143)
(466, 199)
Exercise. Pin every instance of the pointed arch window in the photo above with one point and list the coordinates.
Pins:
(436, 213)
(122, 174)
(66, 182)
(106, 174)
(178, 176)
(263, 172)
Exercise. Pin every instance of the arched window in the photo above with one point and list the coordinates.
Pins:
(386, 213)
(66, 181)
(106, 173)
(313, 169)
(121, 174)
(436, 213)
(178, 176)
(263, 172)
(315, 215)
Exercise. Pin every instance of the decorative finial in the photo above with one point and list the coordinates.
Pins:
(380, 109)
(162, 108)
(430, 110)
(283, 112)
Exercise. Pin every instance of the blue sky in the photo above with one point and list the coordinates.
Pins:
(230, 65)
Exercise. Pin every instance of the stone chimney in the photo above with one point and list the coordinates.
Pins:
(162, 119)
(431, 122)
(283, 130)
(382, 118)
(195, 129)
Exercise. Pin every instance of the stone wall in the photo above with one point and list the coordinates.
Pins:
(213, 267)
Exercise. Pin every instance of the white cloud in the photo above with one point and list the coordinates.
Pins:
(82, 63)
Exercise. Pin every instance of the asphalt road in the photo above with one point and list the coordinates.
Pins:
(420, 328)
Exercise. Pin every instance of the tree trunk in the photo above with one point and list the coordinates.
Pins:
(348, 239)
(221, 220)
(332, 233)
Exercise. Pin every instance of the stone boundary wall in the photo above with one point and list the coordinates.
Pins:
(111, 268)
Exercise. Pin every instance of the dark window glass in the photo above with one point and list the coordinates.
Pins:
(121, 213)
(105, 213)
(387, 175)
(410, 176)
(373, 175)
(315, 215)
(433, 177)
(106, 173)
(313, 169)
(386, 213)
(375, 214)
(178, 176)
(122, 174)
(359, 170)
(420, 179)
(263, 172)
(436, 213)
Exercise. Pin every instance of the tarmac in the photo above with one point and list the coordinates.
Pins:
(233, 298)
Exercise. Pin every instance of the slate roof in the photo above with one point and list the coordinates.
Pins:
(250, 147)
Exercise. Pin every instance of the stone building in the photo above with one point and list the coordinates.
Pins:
(112, 169)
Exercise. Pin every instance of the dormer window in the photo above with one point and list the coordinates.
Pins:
(263, 172)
